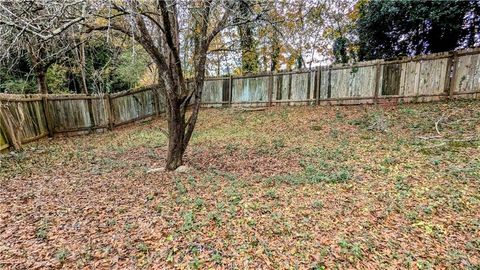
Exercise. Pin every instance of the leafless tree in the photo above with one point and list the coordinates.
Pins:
(161, 27)
(40, 29)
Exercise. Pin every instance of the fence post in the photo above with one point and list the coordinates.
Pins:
(270, 90)
(46, 113)
(90, 111)
(289, 92)
(453, 80)
(319, 81)
(377, 83)
(230, 91)
(156, 101)
(108, 108)
(329, 86)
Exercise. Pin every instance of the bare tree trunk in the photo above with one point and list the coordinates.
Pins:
(176, 137)
(275, 47)
(247, 42)
(42, 81)
(81, 55)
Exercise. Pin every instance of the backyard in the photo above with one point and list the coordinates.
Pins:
(284, 188)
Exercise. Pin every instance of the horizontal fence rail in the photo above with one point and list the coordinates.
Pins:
(449, 75)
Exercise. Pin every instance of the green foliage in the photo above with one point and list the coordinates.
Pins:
(56, 79)
(142, 247)
(62, 255)
(131, 66)
(188, 221)
(393, 28)
(340, 52)
(42, 231)
(114, 68)
(317, 204)
(18, 86)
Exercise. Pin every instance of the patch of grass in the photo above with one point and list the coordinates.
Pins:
(234, 196)
(111, 222)
(231, 148)
(317, 204)
(217, 258)
(216, 217)
(159, 208)
(62, 254)
(272, 194)
(188, 221)
(181, 189)
(199, 203)
(278, 143)
(42, 230)
(351, 249)
(150, 197)
(129, 226)
(143, 247)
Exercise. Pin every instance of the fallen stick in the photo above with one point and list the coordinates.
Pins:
(244, 109)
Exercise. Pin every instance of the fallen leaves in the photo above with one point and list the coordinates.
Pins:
(275, 189)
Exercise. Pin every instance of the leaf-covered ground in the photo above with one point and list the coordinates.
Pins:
(286, 188)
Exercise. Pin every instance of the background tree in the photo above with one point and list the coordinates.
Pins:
(39, 30)
(394, 28)
(248, 44)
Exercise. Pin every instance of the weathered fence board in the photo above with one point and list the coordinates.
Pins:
(351, 82)
(302, 87)
(214, 91)
(77, 114)
(3, 139)
(28, 119)
(133, 107)
(468, 74)
(250, 90)
(432, 76)
(69, 115)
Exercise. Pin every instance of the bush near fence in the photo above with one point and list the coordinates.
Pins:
(449, 75)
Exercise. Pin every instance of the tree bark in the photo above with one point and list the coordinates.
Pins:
(42, 81)
(176, 136)
(81, 55)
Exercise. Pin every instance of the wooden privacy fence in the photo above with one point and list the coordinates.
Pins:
(25, 118)
(421, 78)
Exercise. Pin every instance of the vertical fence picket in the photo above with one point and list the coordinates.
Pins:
(453, 79)
(47, 115)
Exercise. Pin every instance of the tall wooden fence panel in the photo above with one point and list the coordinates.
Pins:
(298, 87)
(131, 106)
(216, 91)
(26, 118)
(250, 90)
(467, 74)
(415, 78)
(77, 112)
(352, 82)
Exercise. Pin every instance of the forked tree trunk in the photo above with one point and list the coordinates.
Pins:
(179, 130)
(176, 137)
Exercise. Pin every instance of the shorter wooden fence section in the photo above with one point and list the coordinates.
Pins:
(449, 75)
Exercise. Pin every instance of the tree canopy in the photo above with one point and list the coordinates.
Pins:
(387, 29)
